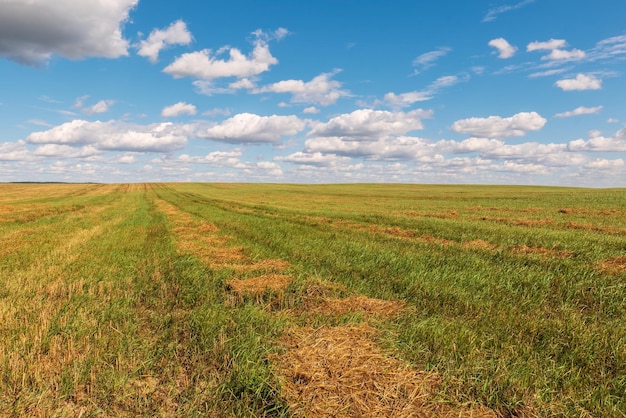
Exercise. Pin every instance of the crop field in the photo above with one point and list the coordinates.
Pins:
(294, 300)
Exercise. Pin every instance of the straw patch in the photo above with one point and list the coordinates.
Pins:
(440, 215)
(258, 285)
(614, 265)
(340, 372)
(526, 250)
(581, 211)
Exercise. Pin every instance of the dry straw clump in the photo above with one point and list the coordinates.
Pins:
(340, 372)
(267, 289)
(258, 285)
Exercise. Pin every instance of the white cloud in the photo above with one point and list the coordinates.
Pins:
(505, 49)
(175, 34)
(428, 59)
(559, 54)
(321, 90)
(243, 83)
(113, 136)
(384, 149)
(314, 159)
(14, 151)
(397, 101)
(101, 107)
(493, 13)
(368, 124)
(579, 111)
(247, 128)
(548, 73)
(312, 110)
(65, 151)
(581, 82)
(604, 164)
(511, 166)
(556, 52)
(32, 31)
(546, 45)
(39, 122)
(616, 143)
(207, 66)
(80, 101)
(180, 108)
(406, 99)
(612, 120)
(217, 158)
(499, 127)
(608, 48)
(280, 33)
(270, 167)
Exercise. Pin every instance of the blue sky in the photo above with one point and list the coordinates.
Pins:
(489, 92)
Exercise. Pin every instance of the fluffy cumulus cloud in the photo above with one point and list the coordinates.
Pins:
(499, 127)
(369, 125)
(232, 160)
(207, 65)
(557, 53)
(180, 108)
(66, 151)
(322, 90)
(505, 50)
(216, 158)
(546, 45)
(176, 34)
(113, 136)
(14, 151)
(32, 31)
(247, 128)
(598, 143)
(581, 82)
(582, 110)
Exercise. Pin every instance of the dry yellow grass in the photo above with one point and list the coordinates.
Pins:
(340, 372)
(548, 252)
(614, 264)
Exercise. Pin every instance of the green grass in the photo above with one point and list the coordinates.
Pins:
(101, 313)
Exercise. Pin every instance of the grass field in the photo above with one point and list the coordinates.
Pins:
(334, 300)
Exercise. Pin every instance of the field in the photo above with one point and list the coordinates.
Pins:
(294, 300)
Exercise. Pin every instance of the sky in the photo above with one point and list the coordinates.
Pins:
(525, 92)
